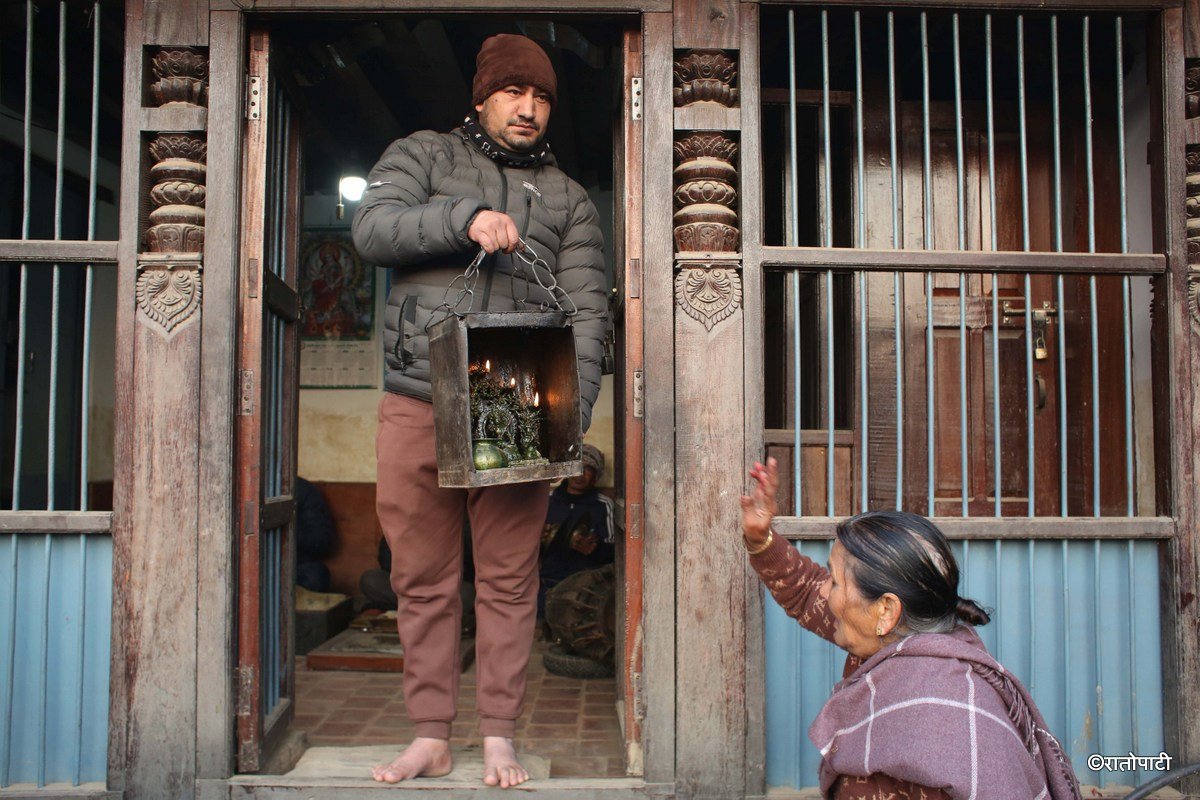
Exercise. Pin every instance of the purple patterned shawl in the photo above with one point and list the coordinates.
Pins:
(938, 710)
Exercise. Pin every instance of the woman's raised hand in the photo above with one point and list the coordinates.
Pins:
(759, 506)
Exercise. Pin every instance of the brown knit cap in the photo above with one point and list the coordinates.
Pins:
(508, 59)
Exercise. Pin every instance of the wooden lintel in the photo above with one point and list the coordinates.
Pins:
(958, 260)
(56, 522)
(57, 252)
(445, 7)
(974, 528)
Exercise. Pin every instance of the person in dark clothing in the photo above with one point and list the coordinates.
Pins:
(314, 537)
(579, 527)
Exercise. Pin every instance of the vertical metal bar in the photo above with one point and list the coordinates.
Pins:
(1131, 623)
(793, 235)
(1091, 205)
(863, 393)
(11, 661)
(56, 291)
(897, 244)
(44, 654)
(1069, 676)
(1061, 380)
(830, 509)
(93, 162)
(26, 169)
(1029, 389)
(991, 136)
(81, 616)
(931, 455)
(1127, 314)
(1097, 595)
(962, 276)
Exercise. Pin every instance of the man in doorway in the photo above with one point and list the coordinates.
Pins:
(579, 530)
(431, 201)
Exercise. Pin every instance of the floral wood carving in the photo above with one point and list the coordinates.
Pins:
(182, 74)
(706, 194)
(179, 175)
(168, 292)
(708, 293)
(1194, 301)
(705, 76)
(1192, 204)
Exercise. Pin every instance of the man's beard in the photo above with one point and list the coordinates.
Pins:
(529, 141)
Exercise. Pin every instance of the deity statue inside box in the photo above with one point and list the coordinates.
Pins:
(505, 417)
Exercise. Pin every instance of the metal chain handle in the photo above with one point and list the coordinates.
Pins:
(556, 292)
(469, 277)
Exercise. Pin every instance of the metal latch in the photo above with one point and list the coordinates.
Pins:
(639, 393)
(247, 392)
(253, 97)
(635, 98)
(1039, 318)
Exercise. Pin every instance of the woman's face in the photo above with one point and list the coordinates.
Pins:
(857, 617)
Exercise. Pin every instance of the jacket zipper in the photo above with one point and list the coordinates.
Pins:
(487, 285)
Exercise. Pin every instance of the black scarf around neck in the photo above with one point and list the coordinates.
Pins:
(474, 133)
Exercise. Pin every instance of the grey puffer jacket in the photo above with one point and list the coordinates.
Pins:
(422, 196)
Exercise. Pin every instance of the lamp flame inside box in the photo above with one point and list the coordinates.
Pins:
(506, 398)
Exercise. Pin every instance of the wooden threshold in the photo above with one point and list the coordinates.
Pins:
(268, 787)
(461, 6)
(972, 528)
(852, 258)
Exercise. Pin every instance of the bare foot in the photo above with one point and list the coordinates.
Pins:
(428, 758)
(500, 765)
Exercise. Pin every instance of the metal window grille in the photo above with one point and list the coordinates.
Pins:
(59, 183)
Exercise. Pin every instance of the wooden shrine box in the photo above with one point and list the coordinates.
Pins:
(537, 344)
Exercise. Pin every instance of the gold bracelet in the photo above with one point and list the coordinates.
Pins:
(761, 548)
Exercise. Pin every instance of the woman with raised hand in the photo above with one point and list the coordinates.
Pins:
(923, 711)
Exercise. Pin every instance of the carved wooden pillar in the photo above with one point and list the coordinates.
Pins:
(157, 490)
(710, 409)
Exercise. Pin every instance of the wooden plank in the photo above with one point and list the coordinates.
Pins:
(48, 252)
(631, 244)
(123, 407)
(658, 729)
(86, 791)
(816, 436)
(215, 615)
(177, 22)
(1177, 361)
(1191, 21)
(56, 521)
(444, 6)
(751, 221)
(706, 23)
(283, 788)
(707, 117)
(958, 260)
(174, 118)
(1005, 527)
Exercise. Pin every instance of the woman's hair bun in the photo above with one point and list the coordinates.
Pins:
(971, 612)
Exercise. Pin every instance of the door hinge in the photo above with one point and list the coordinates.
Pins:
(253, 97)
(245, 690)
(635, 98)
(639, 697)
(247, 392)
(639, 393)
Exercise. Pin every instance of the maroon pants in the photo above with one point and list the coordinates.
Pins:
(423, 525)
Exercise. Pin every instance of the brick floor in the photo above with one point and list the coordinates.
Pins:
(571, 722)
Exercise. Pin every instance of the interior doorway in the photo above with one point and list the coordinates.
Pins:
(334, 93)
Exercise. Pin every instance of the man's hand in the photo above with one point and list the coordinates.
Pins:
(584, 542)
(494, 231)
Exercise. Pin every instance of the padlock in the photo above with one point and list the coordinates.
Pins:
(1040, 353)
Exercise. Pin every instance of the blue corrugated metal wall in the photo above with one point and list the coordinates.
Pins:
(55, 628)
(1077, 622)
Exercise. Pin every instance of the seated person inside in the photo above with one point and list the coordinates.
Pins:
(579, 531)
